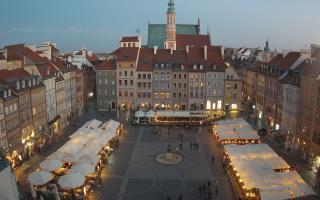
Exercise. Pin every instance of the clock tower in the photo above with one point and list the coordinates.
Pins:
(170, 42)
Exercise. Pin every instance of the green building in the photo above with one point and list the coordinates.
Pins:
(157, 32)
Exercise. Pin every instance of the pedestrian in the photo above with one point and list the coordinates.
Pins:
(180, 197)
(203, 187)
(216, 191)
(200, 190)
(209, 183)
(181, 146)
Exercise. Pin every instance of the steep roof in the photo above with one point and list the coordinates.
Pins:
(276, 60)
(8, 74)
(47, 69)
(184, 40)
(289, 79)
(288, 60)
(311, 69)
(126, 54)
(106, 65)
(145, 61)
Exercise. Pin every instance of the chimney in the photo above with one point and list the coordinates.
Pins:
(155, 48)
(187, 49)
(171, 50)
(205, 52)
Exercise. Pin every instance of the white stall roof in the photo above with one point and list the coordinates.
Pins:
(233, 122)
(140, 113)
(150, 113)
(179, 114)
(255, 164)
(230, 132)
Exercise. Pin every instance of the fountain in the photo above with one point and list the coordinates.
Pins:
(169, 157)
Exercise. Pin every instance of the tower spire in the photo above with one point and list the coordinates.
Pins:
(170, 42)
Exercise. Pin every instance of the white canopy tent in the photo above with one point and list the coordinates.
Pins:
(238, 122)
(40, 177)
(256, 165)
(51, 165)
(150, 114)
(71, 180)
(140, 113)
(83, 168)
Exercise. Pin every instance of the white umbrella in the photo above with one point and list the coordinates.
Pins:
(51, 165)
(40, 177)
(83, 168)
(71, 158)
(56, 156)
(71, 180)
(91, 159)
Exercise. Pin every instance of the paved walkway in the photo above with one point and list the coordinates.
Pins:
(132, 172)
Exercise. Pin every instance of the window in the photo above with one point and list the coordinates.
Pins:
(149, 76)
(139, 76)
(120, 94)
(120, 82)
(125, 82)
(112, 82)
(131, 82)
(144, 76)
(125, 73)
(131, 73)
(235, 86)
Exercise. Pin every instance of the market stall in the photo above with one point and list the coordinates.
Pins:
(236, 131)
(257, 172)
(180, 118)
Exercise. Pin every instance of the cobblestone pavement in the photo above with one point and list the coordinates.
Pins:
(132, 172)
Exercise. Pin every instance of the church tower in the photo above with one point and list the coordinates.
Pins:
(170, 42)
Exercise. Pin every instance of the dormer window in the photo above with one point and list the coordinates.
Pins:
(156, 65)
(23, 83)
(34, 82)
(214, 67)
(162, 65)
(182, 66)
(5, 94)
(30, 83)
(18, 85)
(194, 66)
(201, 66)
(9, 93)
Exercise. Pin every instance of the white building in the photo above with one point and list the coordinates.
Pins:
(214, 88)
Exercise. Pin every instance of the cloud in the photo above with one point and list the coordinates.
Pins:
(64, 30)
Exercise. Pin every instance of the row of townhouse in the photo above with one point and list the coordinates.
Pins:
(195, 78)
(285, 94)
(40, 95)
